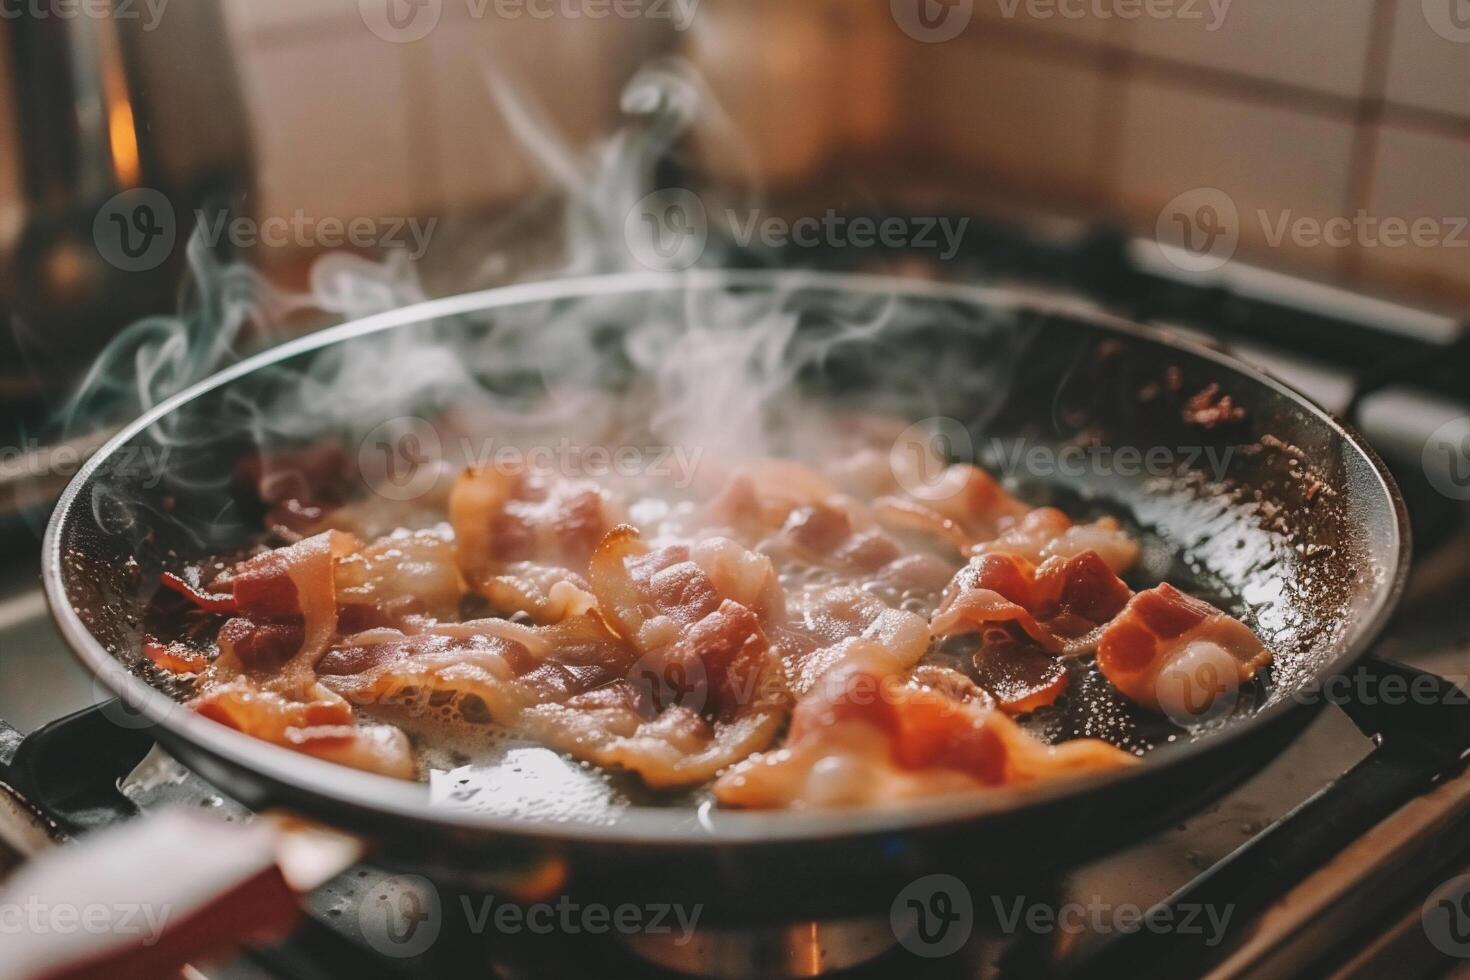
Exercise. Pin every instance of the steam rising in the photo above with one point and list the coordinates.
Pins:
(719, 370)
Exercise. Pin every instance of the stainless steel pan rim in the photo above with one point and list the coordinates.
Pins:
(654, 826)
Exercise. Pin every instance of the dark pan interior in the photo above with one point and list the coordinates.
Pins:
(1277, 513)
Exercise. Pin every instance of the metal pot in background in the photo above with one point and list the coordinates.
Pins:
(115, 126)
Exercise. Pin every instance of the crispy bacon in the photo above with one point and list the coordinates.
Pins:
(1056, 605)
(583, 691)
(523, 538)
(651, 595)
(322, 724)
(382, 749)
(175, 657)
(964, 507)
(1021, 678)
(270, 584)
(246, 646)
(678, 655)
(832, 627)
(1164, 635)
(867, 737)
(1046, 532)
(404, 573)
(208, 601)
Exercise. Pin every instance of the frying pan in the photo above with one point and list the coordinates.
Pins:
(1275, 509)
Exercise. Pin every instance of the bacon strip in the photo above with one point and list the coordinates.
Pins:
(590, 694)
(523, 539)
(839, 625)
(207, 601)
(865, 737)
(322, 725)
(1162, 628)
(1048, 533)
(964, 507)
(175, 657)
(1056, 604)
(405, 573)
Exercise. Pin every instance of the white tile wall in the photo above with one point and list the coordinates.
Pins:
(250, 16)
(329, 124)
(1426, 70)
(526, 61)
(1030, 103)
(1265, 157)
(1419, 174)
(1069, 18)
(1014, 117)
(1319, 44)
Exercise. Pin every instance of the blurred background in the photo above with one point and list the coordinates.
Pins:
(1102, 111)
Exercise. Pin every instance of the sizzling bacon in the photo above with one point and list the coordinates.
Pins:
(761, 495)
(841, 536)
(800, 520)
(215, 602)
(1057, 605)
(685, 713)
(1046, 532)
(321, 725)
(866, 737)
(404, 573)
(1169, 651)
(1021, 678)
(382, 749)
(964, 507)
(675, 718)
(506, 667)
(175, 657)
(835, 626)
(523, 539)
(951, 684)
(246, 646)
(651, 596)
(680, 655)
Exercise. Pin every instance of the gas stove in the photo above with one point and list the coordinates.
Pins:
(1343, 857)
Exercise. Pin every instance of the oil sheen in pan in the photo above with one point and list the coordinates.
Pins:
(490, 769)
